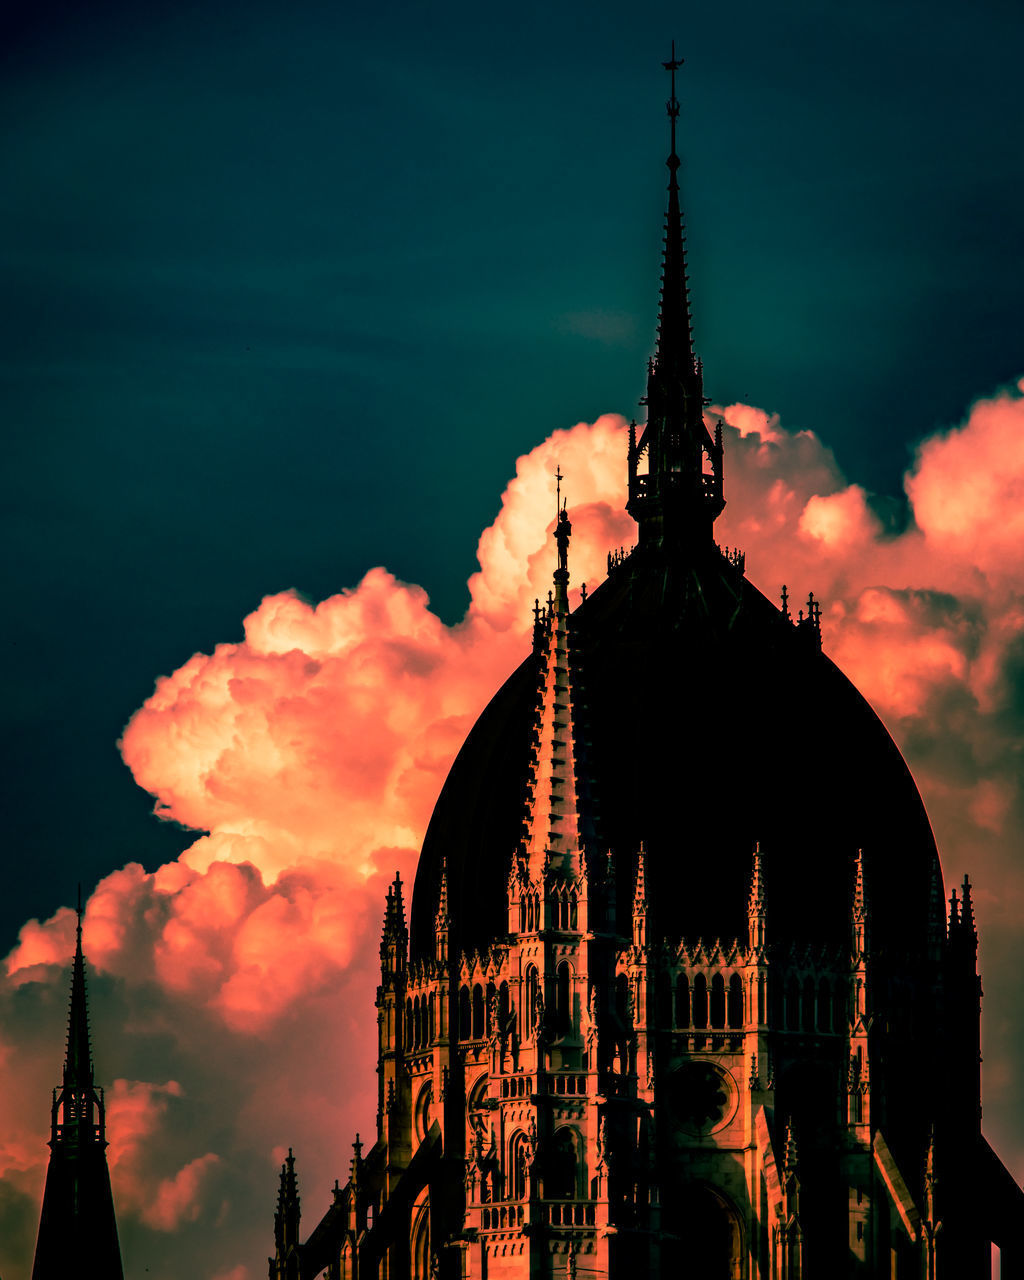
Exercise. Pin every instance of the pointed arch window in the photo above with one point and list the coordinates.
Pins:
(700, 1001)
(735, 1001)
(563, 998)
(682, 1001)
(465, 1013)
(530, 1013)
(518, 1166)
(560, 1181)
(718, 1001)
(478, 1012)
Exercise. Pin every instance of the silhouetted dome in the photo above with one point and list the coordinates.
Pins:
(705, 722)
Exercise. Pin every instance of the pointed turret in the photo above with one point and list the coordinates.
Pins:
(286, 1264)
(640, 900)
(553, 838)
(394, 942)
(859, 912)
(675, 503)
(442, 920)
(77, 1227)
(756, 917)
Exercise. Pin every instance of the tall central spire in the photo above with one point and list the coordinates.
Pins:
(675, 502)
(78, 1062)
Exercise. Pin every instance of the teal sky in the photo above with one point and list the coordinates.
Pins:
(288, 289)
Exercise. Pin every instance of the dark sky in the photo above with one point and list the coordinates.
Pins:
(289, 287)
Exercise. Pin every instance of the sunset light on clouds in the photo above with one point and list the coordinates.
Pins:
(292, 292)
(310, 754)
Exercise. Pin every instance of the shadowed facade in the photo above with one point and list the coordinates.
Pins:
(680, 992)
(77, 1227)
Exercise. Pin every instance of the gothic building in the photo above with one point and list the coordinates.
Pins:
(77, 1228)
(680, 994)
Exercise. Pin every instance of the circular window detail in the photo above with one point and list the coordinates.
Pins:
(702, 1097)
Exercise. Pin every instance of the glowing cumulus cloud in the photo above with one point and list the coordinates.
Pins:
(232, 989)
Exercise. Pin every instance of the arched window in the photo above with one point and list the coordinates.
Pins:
(709, 1243)
(409, 1028)
(824, 1006)
(417, 1021)
(792, 1005)
(478, 1012)
(762, 998)
(563, 998)
(489, 1009)
(522, 915)
(432, 1028)
(573, 911)
(421, 1244)
(560, 1175)
(530, 1013)
(682, 1001)
(735, 1001)
(718, 1001)
(518, 1167)
(808, 1004)
(465, 1016)
(700, 1001)
(504, 1008)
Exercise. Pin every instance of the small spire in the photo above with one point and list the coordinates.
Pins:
(954, 912)
(785, 604)
(553, 811)
(859, 908)
(442, 920)
(77, 1223)
(967, 921)
(859, 912)
(289, 1212)
(394, 941)
(640, 899)
(789, 1151)
(756, 904)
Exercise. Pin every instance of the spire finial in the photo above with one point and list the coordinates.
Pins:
(563, 532)
(672, 106)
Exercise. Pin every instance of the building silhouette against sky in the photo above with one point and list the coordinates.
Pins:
(77, 1227)
(681, 993)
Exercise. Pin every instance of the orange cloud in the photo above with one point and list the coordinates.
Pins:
(311, 751)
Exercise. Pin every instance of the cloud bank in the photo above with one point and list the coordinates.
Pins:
(231, 990)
